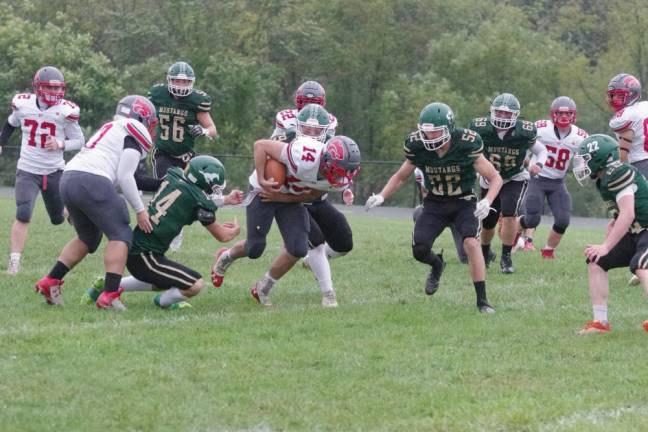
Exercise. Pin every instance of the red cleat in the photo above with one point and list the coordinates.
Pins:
(111, 300)
(645, 325)
(220, 267)
(51, 290)
(548, 253)
(528, 245)
(595, 327)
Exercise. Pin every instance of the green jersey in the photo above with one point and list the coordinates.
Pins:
(175, 115)
(617, 177)
(176, 204)
(452, 174)
(507, 154)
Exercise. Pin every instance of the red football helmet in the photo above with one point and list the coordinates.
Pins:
(49, 85)
(623, 90)
(310, 92)
(563, 111)
(138, 108)
(340, 161)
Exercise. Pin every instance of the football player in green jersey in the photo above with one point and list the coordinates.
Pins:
(625, 191)
(506, 141)
(183, 116)
(450, 158)
(183, 198)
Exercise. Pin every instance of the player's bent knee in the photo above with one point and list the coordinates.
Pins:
(57, 220)
(23, 213)
(255, 249)
(195, 289)
(530, 221)
(92, 243)
(297, 251)
(421, 252)
(560, 229)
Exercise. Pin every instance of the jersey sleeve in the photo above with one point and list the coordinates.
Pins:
(154, 92)
(621, 121)
(14, 117)
(203, 101)
(473, 143)
(139, 133)
(620, 178)
(411, 146)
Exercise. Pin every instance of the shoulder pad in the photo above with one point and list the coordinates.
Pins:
(139, 133)
(469, 140)
(526, 129)
(479, 124)
(540, 124)
(621, 121)
(156, 89)
(22, 100)
(70, 110)
(412, 144)
(205, 216)
(202, 100)
(285, 118)
(618, 176)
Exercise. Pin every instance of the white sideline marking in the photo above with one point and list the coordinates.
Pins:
(593, 417)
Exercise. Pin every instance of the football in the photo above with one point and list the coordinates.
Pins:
(275, 170)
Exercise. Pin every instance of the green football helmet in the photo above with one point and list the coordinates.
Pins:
(180, 71)
(313, 121)
(504, 103)
(208, 173)
(436, 123)
(594, 154)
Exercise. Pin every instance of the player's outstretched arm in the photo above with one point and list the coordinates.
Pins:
(207, 123)
(395, 182)
(235, 197)
(226, 231)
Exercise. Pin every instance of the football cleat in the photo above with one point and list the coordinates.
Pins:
(51, 289)
(595, 327)
(172, 306)
(518, 243)
(485, 308)
(329, 300)
(528, 245)
(13, 267)
(433, 279)
(92, 294)
(490, 258)
(111, 300)
(223, 261)
(261, 295)
(506, 264)
(548, 253)
(645, 325)
(634, 280)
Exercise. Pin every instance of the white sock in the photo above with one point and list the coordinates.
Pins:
(170, 296)
(129, 283)
(600, 313)
(331, 254)
(549, 247)
(320, 266)
(15, 256)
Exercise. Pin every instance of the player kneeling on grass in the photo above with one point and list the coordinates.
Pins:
(450, 158)
(183, 197)
(625, 191)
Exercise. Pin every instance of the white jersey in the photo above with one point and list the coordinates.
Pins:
(302, 159)
(634, 117)
(559, 150)
(60, 121)
(286, 120)
(103, 151)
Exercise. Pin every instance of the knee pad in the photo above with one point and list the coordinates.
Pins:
(560, 229)
(530, 221)
(92, 243)
(58, 220)
(254, 249)
(24, 211)
(490, 221)
(297, 251)
(421, 252)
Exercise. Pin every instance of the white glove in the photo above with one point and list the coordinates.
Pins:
(373, 201)
(482, 209)
(197, 131)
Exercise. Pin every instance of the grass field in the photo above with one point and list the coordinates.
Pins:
(389, 358)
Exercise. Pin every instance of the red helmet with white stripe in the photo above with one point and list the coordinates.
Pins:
(49, 85)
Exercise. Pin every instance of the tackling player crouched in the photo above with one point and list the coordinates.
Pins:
(88, 189)
(625, 191)
(450, 158)
(183, 198)
(49, 125)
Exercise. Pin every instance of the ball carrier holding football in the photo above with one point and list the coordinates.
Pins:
(313, 168)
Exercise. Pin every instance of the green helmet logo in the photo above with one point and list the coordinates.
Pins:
(208, 173)
(594, 154)
(436, 123)
(313, 121)
(504, 111)
(180, 79)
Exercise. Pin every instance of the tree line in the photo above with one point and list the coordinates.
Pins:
(380, 62)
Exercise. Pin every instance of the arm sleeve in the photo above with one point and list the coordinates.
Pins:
(7, 130)
(74, 136)
(13, 119)
(126, 178)
(540, 152)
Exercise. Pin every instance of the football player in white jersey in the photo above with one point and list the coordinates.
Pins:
(49, 125)
(312, 169)
(562, 138)
(630, 120)
(109, 159)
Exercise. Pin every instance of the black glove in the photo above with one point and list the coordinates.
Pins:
(197, 130)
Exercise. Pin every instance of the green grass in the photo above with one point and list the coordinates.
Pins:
(389, 358)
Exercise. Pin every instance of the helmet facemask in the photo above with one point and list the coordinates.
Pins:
(581, 169)
(180, 85)
(434, 137)
(503, 121)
